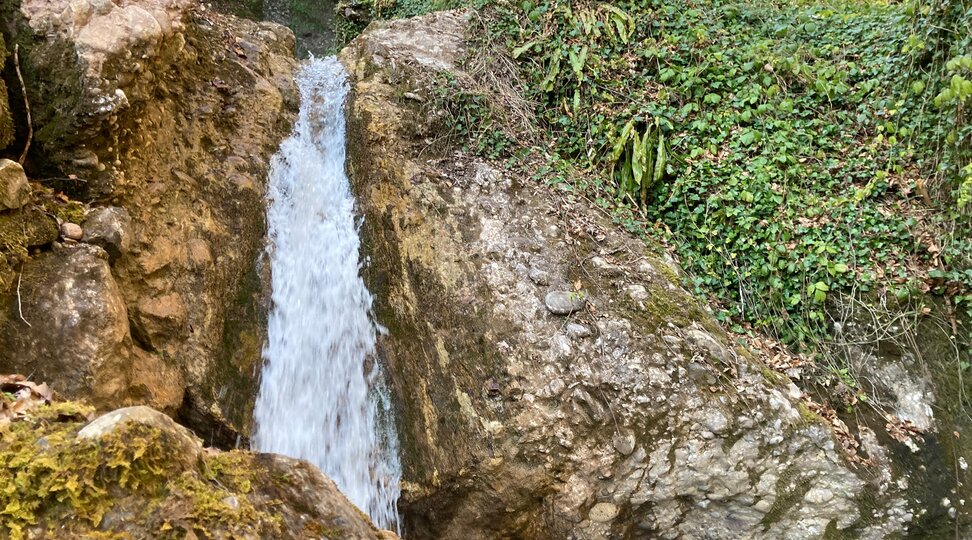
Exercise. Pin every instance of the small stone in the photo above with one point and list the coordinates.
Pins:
(607, 269)
(539, 277)
(556, 386)
(602, 512)
(14, 189)
(763, 505)
(818, 495)
(565, 302)
(110, 228)
(71, 231)
(638, 293)
(231, 502)
(715, 421)
(493, 388)
(624, 443)
(578, 331)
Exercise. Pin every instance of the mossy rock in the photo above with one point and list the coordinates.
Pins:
(134, 473)
(6, 120)
(25, 228)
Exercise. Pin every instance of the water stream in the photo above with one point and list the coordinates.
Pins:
(321, 394)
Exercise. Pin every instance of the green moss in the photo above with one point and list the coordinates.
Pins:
(6, 120)
(789, 490)
(314, 529)
(231, 469)
(810, 417)
(70, 211)
(51, 476)
(774, 378)
(51, 479)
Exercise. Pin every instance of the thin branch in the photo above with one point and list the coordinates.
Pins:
(23, 89)
(20, 308)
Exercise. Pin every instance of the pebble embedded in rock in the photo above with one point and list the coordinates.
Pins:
(578, 331)
(14, 189)
(638, 293)
(818, 495)
(71, 231)
(539, 277)
(603, 511)
(624, 443)
(607, 269)
(565, 302)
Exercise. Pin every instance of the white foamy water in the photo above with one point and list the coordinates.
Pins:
(321, 393)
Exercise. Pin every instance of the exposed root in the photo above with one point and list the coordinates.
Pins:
(30, 124)
(20, 309)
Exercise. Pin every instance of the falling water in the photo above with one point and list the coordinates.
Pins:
(321, 395)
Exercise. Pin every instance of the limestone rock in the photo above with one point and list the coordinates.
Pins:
(109, 227)
(78, 321)
(565, 302)
(76, 334)
(14, 189)
(161, 317)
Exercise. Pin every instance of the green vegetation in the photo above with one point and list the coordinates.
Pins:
(790, 153)
(798, 143)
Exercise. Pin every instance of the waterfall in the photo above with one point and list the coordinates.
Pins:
(322, 396)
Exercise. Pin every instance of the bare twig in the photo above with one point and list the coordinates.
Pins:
(23, 88)
(20, 308)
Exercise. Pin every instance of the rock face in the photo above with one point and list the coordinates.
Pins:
(633, 418)
(71, 328)
(162, 483)
(162, 117)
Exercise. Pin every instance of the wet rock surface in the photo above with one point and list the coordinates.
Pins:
(632, 419)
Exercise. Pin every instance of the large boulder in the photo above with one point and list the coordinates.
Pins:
(67, 324)
(134, 473)
(552, 378)
(167, 114)
(14, 189)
